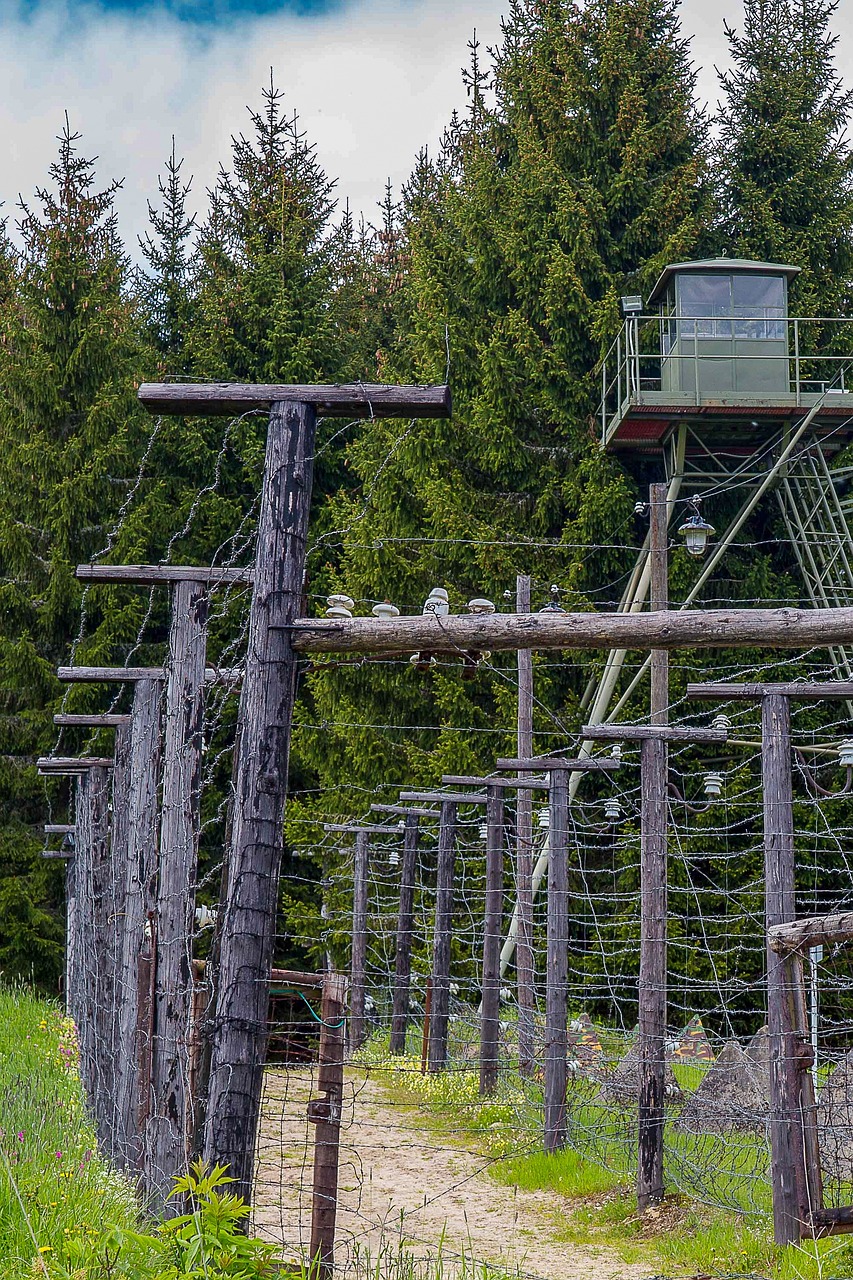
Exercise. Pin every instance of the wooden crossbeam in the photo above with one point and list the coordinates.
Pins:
(643, 732)
(92, 721)
(152, 575)
(59, 828)
(345, 400)
(811, 931)
(587, 764)
(812, 691)
(442, 797)
(129, 675)
(690, 629)
(520, 784)
(404, 809)
(353, 828)
(72, 764)
(64, 854)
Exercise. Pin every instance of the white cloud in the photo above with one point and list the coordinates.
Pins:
(372, 82)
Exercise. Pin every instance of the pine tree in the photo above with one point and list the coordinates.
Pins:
(164, 289)
(785, 165)
(70, 353)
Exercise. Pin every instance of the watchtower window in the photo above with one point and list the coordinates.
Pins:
(739, 305)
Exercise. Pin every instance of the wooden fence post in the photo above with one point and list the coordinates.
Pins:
(405, 923)
(440, 1011)
(358, 974)
(325, 1114)
(140, 871)
(786, 1131)
(524, 964)
(490, 1006)
(557, 962)
(651, 1036)
(247, 932)
(170, 1119)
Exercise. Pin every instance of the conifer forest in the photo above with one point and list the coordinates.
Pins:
(582, 166)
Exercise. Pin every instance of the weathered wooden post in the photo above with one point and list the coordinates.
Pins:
(652, 985)
(524, 966)
(490, 1011)
(405, 921)
(558, 769)
(325, 1113)
(443, 932)
(247, 927)
(791, 1207)
(87, 960)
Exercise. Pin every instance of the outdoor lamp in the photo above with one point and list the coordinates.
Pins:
(630, 305)
(696, 531)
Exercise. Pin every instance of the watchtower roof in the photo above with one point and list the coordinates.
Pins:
(707, 265)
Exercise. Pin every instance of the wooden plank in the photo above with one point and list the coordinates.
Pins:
(557, 965)
(128, 675)
(811, 931)
(59, 828)
(64, 854)
(115, 919)
(490, 1006)
(404, 809)
(298, 979)
(251, 874)
(105, 721)
(586, 764)
(439, 797)
(519, 784)
(786, 1136)
(805, 691)
(672, 629)
(356, 828)
(358, 957)
(133, 1057)
(325, 1113)
(172, 1120)
(405, 933)
(344, 400)
(72, 764)
(153, 575)
(440, 1011)
(641, 732)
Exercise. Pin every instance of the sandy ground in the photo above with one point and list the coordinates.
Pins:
(398, 1183)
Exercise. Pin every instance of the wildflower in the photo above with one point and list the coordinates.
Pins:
(59, 1155)
(20, 1136)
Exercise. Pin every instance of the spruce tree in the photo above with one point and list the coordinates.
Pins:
(70, 354)
(785, 166)
(164, 287)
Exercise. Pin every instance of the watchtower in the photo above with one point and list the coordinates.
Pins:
(714, 379)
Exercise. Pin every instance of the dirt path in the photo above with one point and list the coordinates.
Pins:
(398, 1183)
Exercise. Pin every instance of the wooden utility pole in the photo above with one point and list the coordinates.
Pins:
(248, 911)
(791, 1200)
(557, 933)
(490, 1010)
(325, 1113)
(524, 963)
(405, 928)
(440, 1012)
(654, 780)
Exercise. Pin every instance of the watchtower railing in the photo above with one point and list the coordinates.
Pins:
(817, 358)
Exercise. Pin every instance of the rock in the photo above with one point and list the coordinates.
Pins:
(735, 1093)
(693, 1044)
(835, 1121)
(623, 1083)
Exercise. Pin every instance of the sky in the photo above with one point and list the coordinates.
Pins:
(372, 80)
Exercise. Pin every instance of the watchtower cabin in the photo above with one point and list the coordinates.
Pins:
(712, 382)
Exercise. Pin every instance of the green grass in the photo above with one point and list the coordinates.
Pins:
(56, 1195)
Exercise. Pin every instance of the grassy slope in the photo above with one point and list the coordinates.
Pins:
(682, 1238)
(57, 1197)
